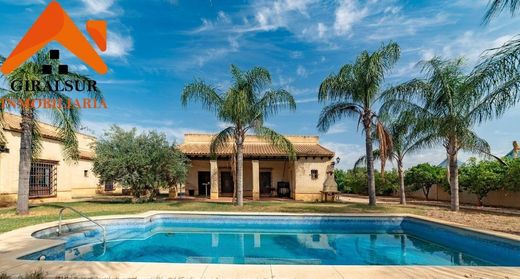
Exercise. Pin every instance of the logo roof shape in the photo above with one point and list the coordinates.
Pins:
(54, 24)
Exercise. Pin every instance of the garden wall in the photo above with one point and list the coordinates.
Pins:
(496, 198)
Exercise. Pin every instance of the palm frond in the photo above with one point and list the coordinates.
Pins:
(385, 144)
(332, 113)
(258, 78)
(275, 100)
(277, 140)
(200, 91)
(67, 120)
(362, 161)
(221, 140)
(496, 7)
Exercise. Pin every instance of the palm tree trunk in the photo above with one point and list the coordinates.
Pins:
(370, 165)
(454, 176)
(240, 173)
(400, 171)
(24, 168)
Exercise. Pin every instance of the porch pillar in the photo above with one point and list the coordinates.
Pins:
(214, 179)
(256, 180)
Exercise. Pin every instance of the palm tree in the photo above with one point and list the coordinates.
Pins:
(65, 118)
(448, 103)
(496, 7)
(352, 93)
(506, 57)
(245, 105)
(405, 140)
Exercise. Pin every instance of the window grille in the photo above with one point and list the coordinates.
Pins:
(314, 174)
(43, 179)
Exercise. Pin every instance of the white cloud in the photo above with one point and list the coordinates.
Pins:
(322, 29)
(301, 71)
(348, 153)
(469, 45)
(337, 129)
(347, 14)
(118, 46)
(23, 2)
(275, 15)
(78, 68)
(97, 7)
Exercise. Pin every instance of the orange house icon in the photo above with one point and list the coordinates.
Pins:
(54, 24)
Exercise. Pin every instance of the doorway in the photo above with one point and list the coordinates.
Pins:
(265, 183)
(226, 182)
(204, 183)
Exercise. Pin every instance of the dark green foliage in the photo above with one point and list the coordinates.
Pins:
(512, 175)
(355, 181)
(482, 177)
(139, 162)
(424, 176)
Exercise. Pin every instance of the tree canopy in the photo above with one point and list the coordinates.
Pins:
(140, 162)
(423, 177)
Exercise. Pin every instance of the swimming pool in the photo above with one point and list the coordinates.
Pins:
(307, 240)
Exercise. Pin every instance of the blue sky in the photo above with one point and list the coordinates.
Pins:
(155, 47)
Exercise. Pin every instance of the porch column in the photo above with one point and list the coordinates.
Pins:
(256, 180)
(214, 179)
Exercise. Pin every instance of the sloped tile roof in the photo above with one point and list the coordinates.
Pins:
(257, 150)
(12, 123)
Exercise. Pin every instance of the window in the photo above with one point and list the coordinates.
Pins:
(85, 173)
(314, 174)
(43, 178)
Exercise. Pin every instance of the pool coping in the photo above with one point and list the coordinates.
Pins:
(20, 242)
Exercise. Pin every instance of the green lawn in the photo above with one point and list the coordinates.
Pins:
(48, 212)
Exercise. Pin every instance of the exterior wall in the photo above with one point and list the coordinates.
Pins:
(496, 198)
(71, 181)
(275, 167)
(296, 173)
(307, 188)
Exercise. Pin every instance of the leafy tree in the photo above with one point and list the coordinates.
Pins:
(482, 177)
(342, 180)
(512, 175)
(352, 93)
(144, 162)
(423, 177)
(65, 118)
(245, 106)
(448, 103)
(356, 181)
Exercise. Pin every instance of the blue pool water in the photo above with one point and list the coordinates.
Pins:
(280, 240)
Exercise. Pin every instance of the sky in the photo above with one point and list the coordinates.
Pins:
(155, 47)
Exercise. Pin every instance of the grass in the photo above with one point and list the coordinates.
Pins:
(49, 212)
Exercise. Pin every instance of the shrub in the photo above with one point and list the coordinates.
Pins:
(482, 177)
(512, 175)
(143, 163)
(423, 177)
(355, 181)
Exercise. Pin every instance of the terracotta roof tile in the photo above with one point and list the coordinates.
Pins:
(12, 123)
(256, 150)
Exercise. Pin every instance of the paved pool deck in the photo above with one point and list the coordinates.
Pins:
(20, 242)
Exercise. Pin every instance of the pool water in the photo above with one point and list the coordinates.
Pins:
(281, 240)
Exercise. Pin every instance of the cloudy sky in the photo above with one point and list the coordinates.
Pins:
(155, 47)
